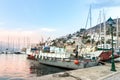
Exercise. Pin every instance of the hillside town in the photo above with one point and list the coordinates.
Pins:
(97, 35)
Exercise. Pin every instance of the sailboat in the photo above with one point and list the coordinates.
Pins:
(117, 49)
(8, 46)
(107, 49)
(103, 46)
(18, 49)
(103, 51)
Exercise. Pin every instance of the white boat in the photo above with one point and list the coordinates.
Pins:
(61, 58)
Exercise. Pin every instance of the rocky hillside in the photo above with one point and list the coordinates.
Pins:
(69, 39)
(97, 27)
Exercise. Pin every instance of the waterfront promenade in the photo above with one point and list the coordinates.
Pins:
(93, 73)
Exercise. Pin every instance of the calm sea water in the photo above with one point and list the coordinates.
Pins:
(17, 67)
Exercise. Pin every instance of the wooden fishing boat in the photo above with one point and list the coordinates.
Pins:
(65, 60)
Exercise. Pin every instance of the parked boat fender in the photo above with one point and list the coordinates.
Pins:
(76, 62)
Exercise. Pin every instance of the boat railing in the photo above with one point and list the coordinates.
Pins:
(55, 55)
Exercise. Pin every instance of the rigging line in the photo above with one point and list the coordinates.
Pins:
(104, 26)
(91, 25)
(87, 19)
(117, 32)
(100, 27)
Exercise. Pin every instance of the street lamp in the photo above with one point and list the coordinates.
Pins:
(110, 21)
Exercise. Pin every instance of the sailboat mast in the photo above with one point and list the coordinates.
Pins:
(28, 42)
(90, 17)
(8, 43)
(117, 44)
(0, 45)
(24, 42)
(90, 23)
(104, 28)
(100, 26)
(18, 43)
(13, 45)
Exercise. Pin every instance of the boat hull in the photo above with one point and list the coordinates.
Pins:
(68, 64)
(31, 57)
(105, 56)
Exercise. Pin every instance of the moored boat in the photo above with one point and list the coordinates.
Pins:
(31, 52)
(60, 58)
(103, 54)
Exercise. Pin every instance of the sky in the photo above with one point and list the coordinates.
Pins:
(39, 19)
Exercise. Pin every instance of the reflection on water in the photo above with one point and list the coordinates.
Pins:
(39, 69)
(17, 67)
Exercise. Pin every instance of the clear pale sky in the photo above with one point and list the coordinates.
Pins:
(50, 18)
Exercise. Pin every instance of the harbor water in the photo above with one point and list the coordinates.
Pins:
(18, 67)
